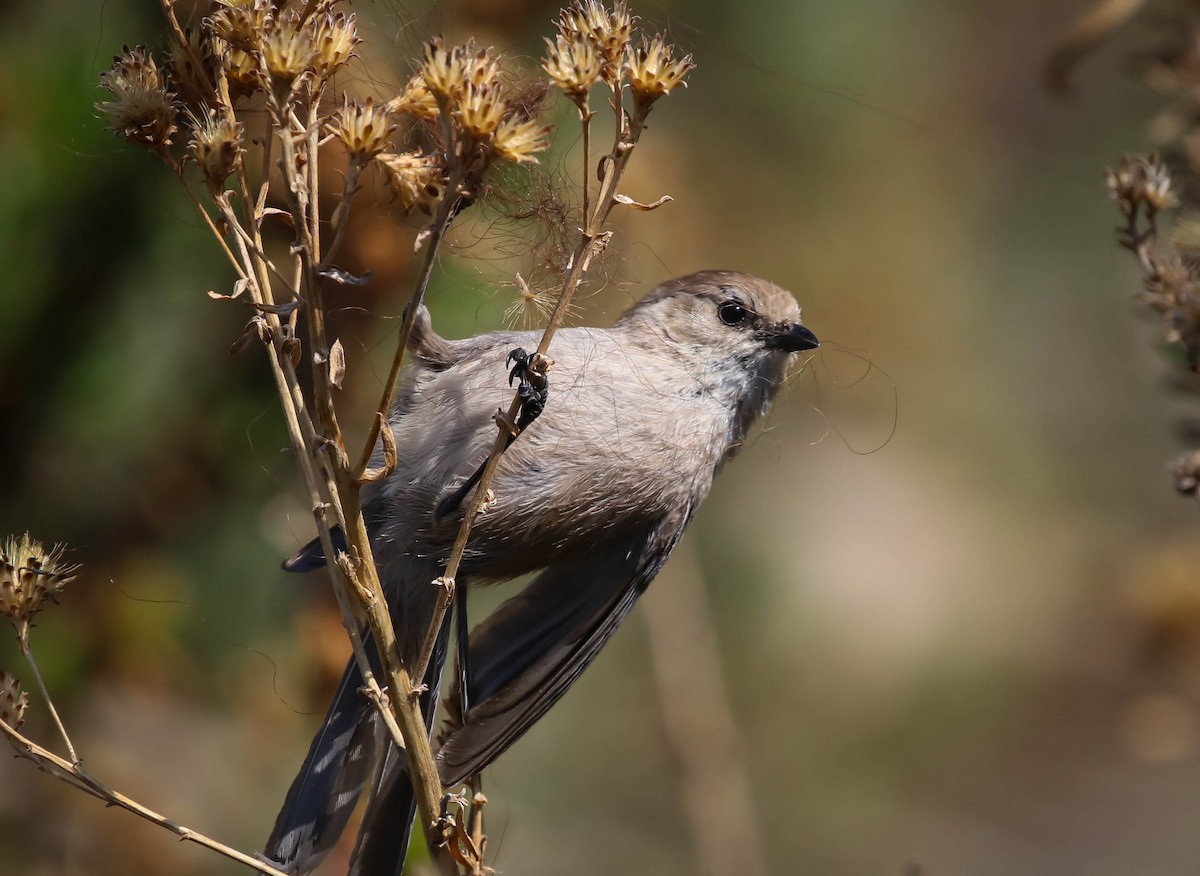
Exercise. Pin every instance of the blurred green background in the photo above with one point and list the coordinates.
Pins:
(968, 645)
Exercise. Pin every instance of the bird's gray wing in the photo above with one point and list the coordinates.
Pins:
(531, 649)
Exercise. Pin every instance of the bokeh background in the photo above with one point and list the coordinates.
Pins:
(946, 605)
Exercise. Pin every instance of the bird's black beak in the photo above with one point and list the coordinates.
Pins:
(792, 338)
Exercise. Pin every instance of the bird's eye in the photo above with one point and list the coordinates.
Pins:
(732, 313)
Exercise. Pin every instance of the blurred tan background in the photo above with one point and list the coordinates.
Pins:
(968, 645)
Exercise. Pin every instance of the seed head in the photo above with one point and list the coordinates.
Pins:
(142, 110)
(29, 575)
(241, 24)
(416, 179)
(288, 49)
(192, 66)
(653, 71)
(608, 31)
(335, 36)
(518, 140)
(416, 99)
(363, 128)
(1141, 179)
(216, 145)
(13, 701)
(573, 64)
(480, 110)
(480, 66)
(241, 69)
(443, 69)
(530, 307)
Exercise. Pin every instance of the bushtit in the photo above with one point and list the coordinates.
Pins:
(593, 495)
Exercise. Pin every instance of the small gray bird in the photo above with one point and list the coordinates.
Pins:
(593, 495)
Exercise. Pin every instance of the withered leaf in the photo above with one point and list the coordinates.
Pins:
(256, 329)
(344, 277)
(638, 205)
(284, 309)
(374, 475)
(282, 214)
(337, 364)
(238, 288)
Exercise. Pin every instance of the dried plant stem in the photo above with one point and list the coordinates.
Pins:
(337, 490)
(37, 674)
(445, 599)
(212, 227)
(341, 215)
(74, 774)
(436, 231)
(585, 120)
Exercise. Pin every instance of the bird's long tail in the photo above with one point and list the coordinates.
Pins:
(324, 792)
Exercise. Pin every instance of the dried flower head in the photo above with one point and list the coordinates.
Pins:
(1140, 179)
(363, 128)
(481, 66)
(480, 109)
(288, 49)
(416, 179)
(142, 110)
(241, 24)
(609, 31)
(13, 701)
(518, 140)
(29, 575)
(216, 145)
(241, 69)
(192, 66)
(443, 69)
(654, 71)
(573, 65)
(416, 99)
(335, 35)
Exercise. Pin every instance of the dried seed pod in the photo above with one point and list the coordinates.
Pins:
(654, 72)
(416, 179)
(288, 49)
(416, 99)
(13, 701)
(480, 110)
(192, 67)
(216, 146)
(609, 31)
(29, 575)
(335, 35)
(573, 64)
(242, 25)
(364, 128)
(518, 140)
(443, 69)
(143, 109)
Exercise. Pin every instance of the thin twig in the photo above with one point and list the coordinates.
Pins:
(74, 774)
(445, 596)
(49, 702)
(436, 231)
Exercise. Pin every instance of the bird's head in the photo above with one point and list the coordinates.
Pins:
(736, 333)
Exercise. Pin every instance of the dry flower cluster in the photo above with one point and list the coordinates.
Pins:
(272, 66)
(1146, 186)
(29, 575)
